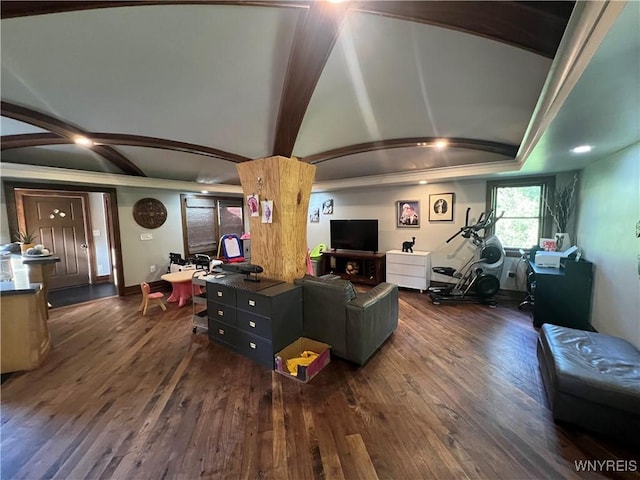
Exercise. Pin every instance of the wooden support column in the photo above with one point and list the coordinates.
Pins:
(279, 247)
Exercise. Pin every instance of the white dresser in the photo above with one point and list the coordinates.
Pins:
(412, 270)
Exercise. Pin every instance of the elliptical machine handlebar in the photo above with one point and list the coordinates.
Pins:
(485, 220)
(463, 230)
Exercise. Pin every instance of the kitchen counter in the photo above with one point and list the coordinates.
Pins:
(34, 270)
(24, 333)
(19, 288)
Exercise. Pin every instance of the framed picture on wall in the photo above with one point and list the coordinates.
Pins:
(327, 207)
(408, 214)
(441, 207)
(314, 214)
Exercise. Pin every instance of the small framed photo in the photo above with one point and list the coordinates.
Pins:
(408, 214)
(441, 207)
(327, 207)
(314, 214)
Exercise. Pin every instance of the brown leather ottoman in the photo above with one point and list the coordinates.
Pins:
(592, 380)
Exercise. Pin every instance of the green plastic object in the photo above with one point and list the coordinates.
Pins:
(316, 253)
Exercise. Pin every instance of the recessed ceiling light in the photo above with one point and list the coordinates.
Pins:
(440, 144)
(582, 149)
(422, 182)
(204, 191)
(84, 141)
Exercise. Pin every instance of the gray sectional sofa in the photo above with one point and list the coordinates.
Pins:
(354, 324)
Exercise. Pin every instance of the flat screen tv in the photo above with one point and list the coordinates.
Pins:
(354, 235)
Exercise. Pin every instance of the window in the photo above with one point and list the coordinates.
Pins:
(230, 215)
(199, 220)
(205, 219)
(520, 203)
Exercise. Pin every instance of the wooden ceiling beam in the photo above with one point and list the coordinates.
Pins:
(498, 148)
(316, 33)
(30, 8)
(24, 140)
(65, 129)
(534, 26)
(41, 139)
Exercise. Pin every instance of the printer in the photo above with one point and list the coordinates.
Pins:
(552, 259)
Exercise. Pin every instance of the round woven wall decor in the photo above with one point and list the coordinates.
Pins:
(149, 213)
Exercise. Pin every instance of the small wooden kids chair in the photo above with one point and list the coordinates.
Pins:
(146, 296)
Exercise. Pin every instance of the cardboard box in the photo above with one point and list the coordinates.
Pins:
(305, 373)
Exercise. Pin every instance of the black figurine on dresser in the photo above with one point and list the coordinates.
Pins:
(255, 319)
(562, 296)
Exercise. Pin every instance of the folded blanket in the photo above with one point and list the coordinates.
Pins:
(306, 358)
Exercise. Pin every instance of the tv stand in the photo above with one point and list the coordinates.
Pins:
(358, 267)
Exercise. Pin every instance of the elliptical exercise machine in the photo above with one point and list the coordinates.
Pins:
(479, 278)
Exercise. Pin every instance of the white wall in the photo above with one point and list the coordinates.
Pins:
(380, 203)
(100, 232)
(609, 212)
(138, 255)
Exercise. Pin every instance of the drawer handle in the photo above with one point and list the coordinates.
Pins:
(219, 294)
(220, 313)
(252, 324)
(252, 303)
(252, 345)
(221, 331)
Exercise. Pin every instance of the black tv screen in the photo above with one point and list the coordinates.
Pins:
(354, 235)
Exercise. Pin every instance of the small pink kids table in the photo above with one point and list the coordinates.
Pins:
(182, 289)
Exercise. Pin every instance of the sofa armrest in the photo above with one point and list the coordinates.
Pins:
(371, 318)
(369, 298)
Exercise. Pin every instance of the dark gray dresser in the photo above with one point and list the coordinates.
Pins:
(255, 319)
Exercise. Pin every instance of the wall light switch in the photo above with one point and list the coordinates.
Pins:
(96, 233)
(146, 236)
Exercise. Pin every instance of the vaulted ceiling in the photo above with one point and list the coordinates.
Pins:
(185, 90)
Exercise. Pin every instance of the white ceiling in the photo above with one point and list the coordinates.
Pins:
(389, 78)
(603, 109)
(212, 75)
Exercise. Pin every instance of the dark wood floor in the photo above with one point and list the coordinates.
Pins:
(454, 393)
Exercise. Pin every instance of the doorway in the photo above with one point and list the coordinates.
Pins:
(61, 222)
(79, 224)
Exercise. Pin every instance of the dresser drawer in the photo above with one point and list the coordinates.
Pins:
(419, 283)
(254, 324)
(254, 302)
(222, 312)
(406, 259)
(256, 348)
(217, 292)
(223, 333)
(408, 270)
